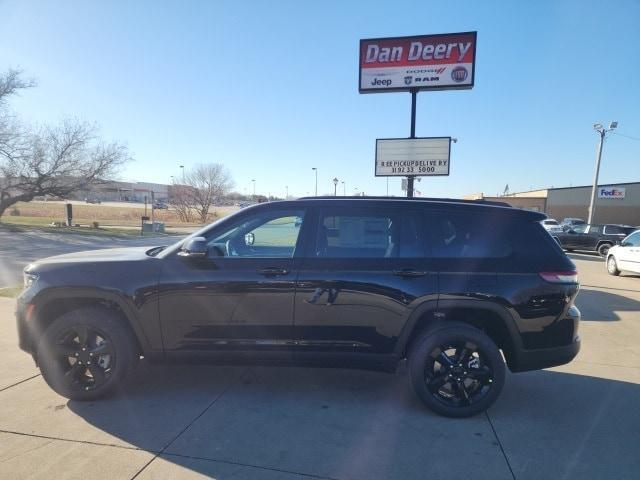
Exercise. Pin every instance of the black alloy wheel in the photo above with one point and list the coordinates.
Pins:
(84, 354)
(604, 249)
(458, 374)
(456, 369)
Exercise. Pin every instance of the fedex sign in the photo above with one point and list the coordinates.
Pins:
(611, 192)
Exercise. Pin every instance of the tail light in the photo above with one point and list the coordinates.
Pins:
(569, 276)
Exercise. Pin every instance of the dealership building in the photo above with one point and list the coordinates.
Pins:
(615, 203)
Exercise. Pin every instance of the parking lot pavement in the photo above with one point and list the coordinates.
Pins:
(18, 249)
(182, 422)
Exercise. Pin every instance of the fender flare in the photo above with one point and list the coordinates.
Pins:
(434, 307)
(55, 294)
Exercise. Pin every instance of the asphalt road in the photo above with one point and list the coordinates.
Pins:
(184, 422)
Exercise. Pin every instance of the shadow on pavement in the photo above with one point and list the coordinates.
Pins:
(601, 306)
(278, 422)
(588, 257)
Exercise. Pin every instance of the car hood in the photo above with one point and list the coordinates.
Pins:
(102, 255)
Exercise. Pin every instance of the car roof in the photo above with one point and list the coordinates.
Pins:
(435, 203)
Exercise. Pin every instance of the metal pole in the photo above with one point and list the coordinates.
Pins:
(316, 170)
(595, 177)
(410, 178)
(344, 189)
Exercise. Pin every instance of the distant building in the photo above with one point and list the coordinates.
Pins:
(126, 192)
(615, 202)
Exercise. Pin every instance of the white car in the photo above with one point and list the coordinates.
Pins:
(551, 225)
(626, 256)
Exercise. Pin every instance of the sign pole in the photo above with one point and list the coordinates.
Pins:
(410, 178)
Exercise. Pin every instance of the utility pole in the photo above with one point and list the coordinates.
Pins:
(316, 172)
(410, 178)
(602, 132)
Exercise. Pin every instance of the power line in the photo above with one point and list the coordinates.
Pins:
(626, 136)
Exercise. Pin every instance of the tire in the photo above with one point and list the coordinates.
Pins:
(86, 353)
(612, 266)
(438, 386)
(603, 249)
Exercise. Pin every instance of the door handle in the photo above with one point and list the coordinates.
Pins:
(409, 273)
(273, 271)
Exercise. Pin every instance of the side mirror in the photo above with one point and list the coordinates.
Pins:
(195, 247)
(249, 239)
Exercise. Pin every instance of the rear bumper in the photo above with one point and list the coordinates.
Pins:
(545, 357)
(539, 358)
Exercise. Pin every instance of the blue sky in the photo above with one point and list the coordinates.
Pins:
(270, 88)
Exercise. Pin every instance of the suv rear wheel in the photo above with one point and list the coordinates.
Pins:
(603, 249)
(456, 370)
(85, 353)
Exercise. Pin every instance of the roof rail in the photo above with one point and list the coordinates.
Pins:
(413, 199)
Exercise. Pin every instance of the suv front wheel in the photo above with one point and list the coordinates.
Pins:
(85, 353)
(456, 370)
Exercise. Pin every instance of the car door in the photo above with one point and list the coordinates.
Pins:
(589, 238)
(238, 299)
(628, 253)
(572, 237)
(362, 275)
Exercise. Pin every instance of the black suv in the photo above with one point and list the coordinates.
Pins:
(454, 287)
(593, 238)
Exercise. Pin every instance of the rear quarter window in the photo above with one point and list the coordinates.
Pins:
(468, 235)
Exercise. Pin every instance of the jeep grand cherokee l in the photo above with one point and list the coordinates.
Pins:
(454, 287)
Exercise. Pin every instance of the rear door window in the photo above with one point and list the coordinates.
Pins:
(371, 233)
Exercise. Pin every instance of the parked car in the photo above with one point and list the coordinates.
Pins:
(92, 200)
(626, 256)
(593, 238)
(160, 206)
(551, 225)
(569, 223)
(451, 286)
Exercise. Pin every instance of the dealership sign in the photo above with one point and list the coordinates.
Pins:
(611, 192)
(424, 62)
(403, 157)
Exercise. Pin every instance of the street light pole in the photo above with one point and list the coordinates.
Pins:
(316, 172)
(335, 186)
(602, 132)
(182, 168)
(344, 189)
(254, 188)
(287, 189)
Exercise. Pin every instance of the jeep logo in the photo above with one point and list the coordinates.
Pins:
(378, 82)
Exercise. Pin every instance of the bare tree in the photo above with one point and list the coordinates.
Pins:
(202, 186)
(55, 161)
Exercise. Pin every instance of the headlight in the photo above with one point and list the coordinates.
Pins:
(29, 279)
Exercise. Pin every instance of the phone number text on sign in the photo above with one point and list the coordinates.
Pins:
(412, 156)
